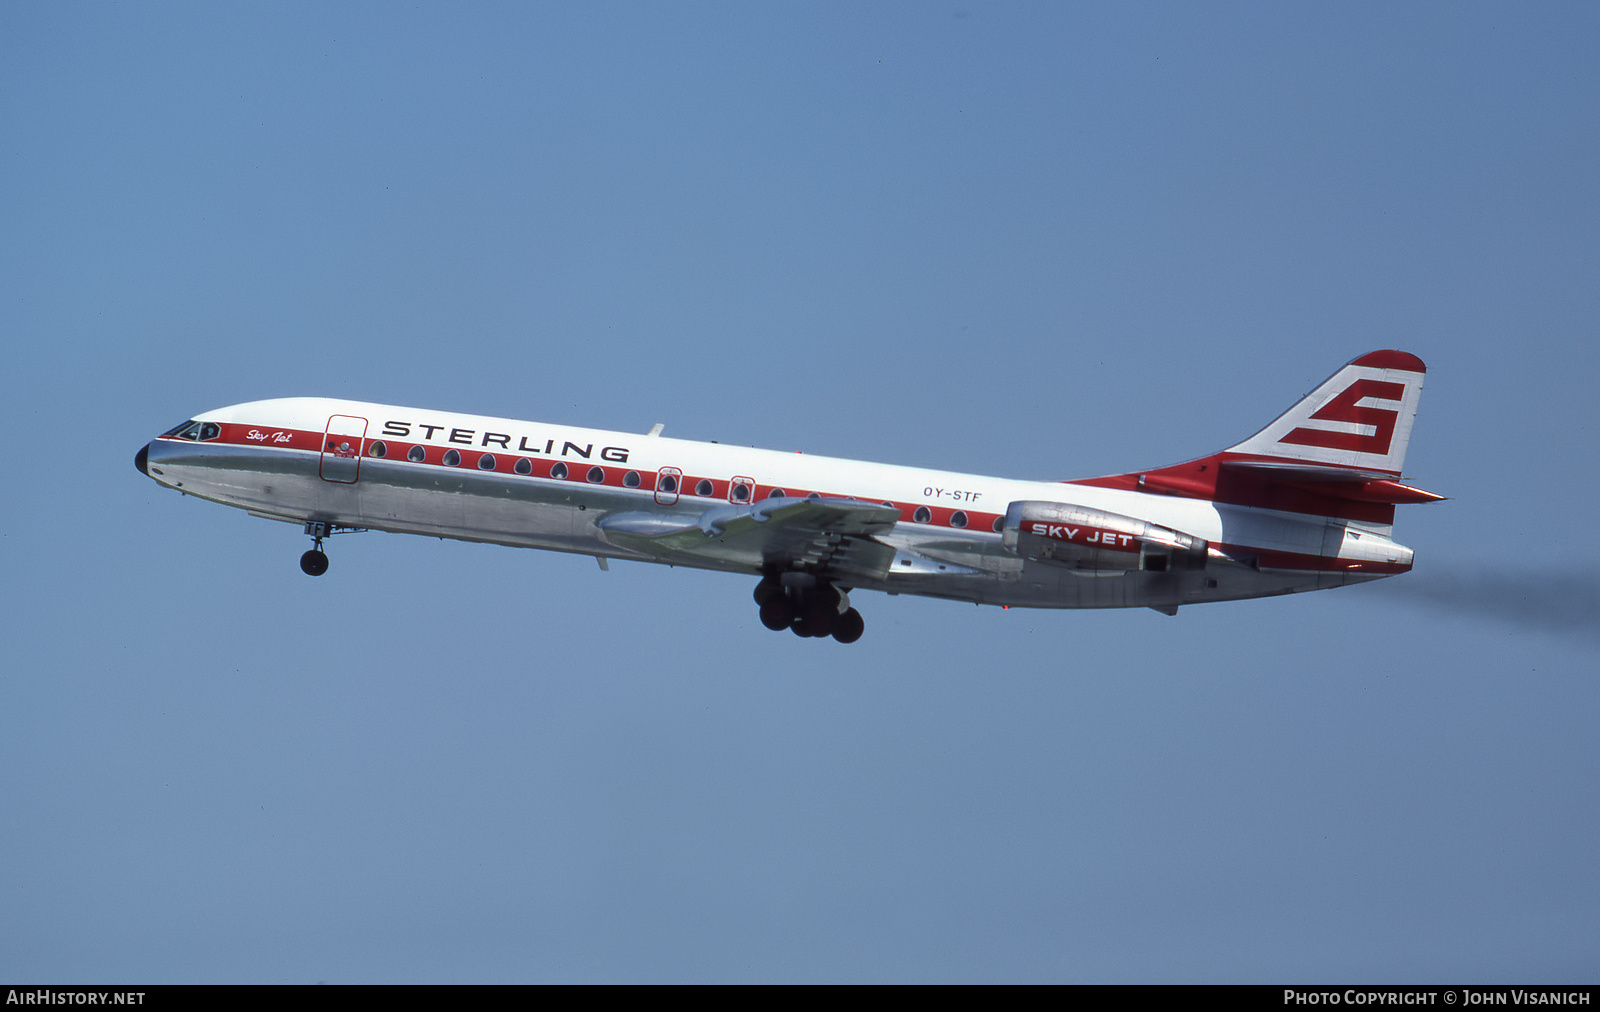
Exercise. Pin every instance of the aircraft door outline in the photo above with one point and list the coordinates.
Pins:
(667, 491)
(343, 442)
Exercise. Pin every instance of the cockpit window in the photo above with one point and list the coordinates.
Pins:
(193, 430)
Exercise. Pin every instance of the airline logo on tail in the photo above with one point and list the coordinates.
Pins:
(1360, 417)
(1363, 429)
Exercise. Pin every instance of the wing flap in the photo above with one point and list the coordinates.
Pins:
(833, 535)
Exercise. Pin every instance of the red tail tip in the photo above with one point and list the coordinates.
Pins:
(1392, 360)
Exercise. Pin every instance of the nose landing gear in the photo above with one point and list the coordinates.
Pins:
(808, 607)
(315, 562)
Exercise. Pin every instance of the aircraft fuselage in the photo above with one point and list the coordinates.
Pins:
(348, 464)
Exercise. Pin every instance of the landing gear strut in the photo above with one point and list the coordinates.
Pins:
(315, 562)
(808, 607)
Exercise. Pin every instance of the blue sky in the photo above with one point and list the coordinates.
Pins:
(1029, 240)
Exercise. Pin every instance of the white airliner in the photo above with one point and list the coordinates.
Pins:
(1304, 504)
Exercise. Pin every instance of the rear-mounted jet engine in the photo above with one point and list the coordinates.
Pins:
(1082, 538)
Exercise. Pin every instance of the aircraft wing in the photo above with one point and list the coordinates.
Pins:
(834, 536)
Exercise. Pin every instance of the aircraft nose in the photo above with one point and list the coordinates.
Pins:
(141, 460)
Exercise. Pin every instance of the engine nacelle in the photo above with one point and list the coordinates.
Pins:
(1082, 538)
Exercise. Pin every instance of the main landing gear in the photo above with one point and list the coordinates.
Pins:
(808, 607)
(315, 562)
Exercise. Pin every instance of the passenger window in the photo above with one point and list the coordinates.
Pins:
(998, 523)
(740, 492)
(378, 449)
(704, 488)
(958, 518)
(597, 474)
(777, 493)
(667, 483)
(631, 479)
(486, 462)
(523, 466)
(560, 470)
(452, 458)
(417, 455)
(922, 515)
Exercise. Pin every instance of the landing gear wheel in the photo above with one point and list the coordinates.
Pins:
(849, 627)
(807, 607)
(819, 619)
(776, 613)
(767, 589)
(313, 563)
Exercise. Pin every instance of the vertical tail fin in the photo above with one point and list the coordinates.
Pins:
(1336, 453)
(1360, 417)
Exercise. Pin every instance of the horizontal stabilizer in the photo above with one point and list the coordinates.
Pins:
(1335, 482)
(1288, 470)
